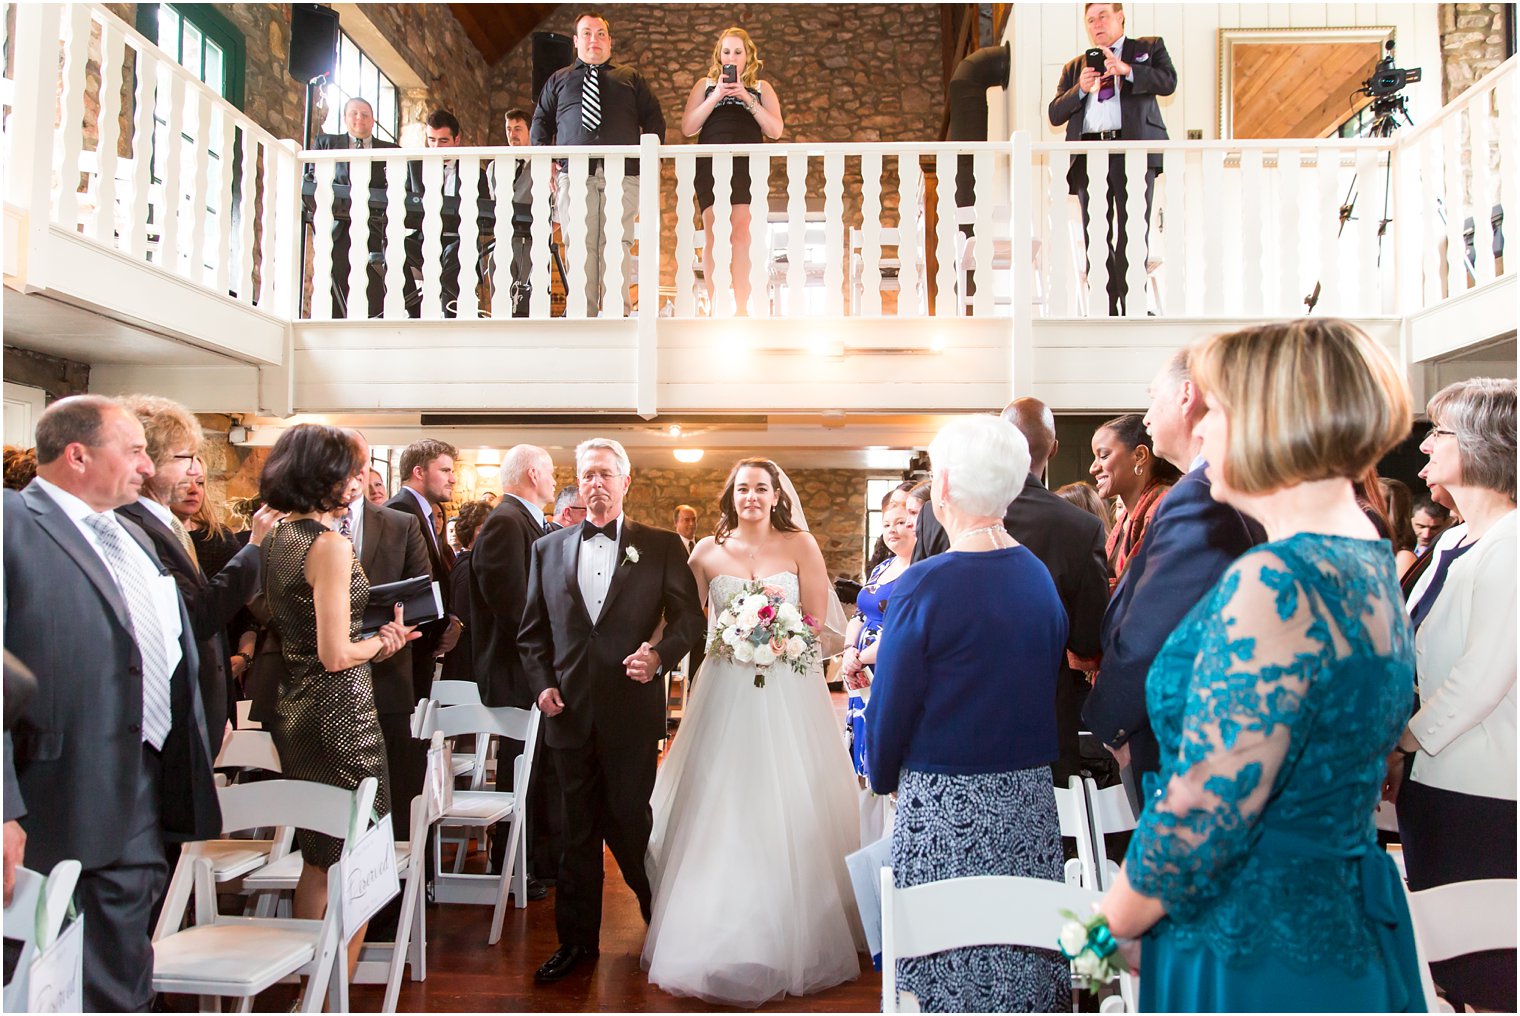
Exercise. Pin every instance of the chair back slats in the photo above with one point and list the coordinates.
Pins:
(1464, 917)
(503, 721)
(249, 749)
(301, 804)
(455, 693)
(982, 910)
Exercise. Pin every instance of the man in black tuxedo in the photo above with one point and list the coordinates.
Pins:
(1069, 542)
(686, 529)
(1192, 539)
(499, 565)
(443, 131)
(112, 754)
(597, 592)
(174, 439)
(1117, 103)
(359, 133)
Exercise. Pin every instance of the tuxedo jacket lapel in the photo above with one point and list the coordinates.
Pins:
(621, 566)
(571, 562)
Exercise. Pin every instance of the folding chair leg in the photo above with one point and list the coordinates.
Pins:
(418, 959)
(399, 948)
(513, 876)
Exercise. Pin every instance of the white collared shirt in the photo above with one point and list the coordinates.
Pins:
(1099, 115)
(165, 592)
(160, 512)
(533, 509)
(355, 522)
(427, 514)
(598, 561)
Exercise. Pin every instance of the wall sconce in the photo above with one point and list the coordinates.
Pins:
(688, 455)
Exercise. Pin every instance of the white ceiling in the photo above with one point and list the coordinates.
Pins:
(56, 328)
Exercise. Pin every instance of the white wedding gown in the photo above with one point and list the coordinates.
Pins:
(754, 811)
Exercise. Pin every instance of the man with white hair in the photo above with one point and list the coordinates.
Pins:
(498, 591)
(597, 592)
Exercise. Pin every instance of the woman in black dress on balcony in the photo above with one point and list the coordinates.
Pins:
(731, 106)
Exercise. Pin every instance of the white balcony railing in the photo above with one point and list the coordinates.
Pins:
(151, 164)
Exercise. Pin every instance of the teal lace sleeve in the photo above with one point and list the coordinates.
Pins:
(1259, 645)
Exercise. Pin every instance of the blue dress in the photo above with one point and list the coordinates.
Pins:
(870, 607)
(1275, 702)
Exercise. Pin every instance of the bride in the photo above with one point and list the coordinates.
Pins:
(755, 806)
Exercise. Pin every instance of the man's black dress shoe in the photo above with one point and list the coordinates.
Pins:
(536, 890)
(565, 959)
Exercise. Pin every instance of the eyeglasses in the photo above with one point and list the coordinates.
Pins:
(1436, 432)
(184, 458)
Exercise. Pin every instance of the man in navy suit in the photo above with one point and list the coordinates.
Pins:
(1117, 103)
(1192, 540)
(111, 755)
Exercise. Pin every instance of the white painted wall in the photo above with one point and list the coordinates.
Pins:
(1046, 35)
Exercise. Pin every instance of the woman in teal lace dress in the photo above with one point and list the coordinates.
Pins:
(1255, 875)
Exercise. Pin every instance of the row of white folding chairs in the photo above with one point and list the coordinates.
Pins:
(1088, 814)
(235, 956)
(39, 904)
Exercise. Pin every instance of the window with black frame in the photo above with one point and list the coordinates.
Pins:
(358, 77)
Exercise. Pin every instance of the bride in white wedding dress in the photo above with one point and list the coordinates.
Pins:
(755, 806)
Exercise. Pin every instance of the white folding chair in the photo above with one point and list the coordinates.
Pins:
(384, 962)
(982, 910)
(1071, 807)
(39, 904)
(245, 720)
(1110, 812)
(464, 693)
(239, 957)
(233, 857)
(481, 809)
(1461, 918)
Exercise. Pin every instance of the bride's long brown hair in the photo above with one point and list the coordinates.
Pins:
(781, 511)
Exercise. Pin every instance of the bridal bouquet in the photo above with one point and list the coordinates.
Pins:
(759, 626)
(1091, 948)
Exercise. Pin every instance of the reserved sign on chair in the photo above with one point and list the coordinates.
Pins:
(369, 877)
(56, 980)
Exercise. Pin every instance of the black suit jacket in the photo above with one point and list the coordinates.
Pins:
(500, 562)
(563, 648)
(1192, 539)
(393, 548)
(1066, 539)
(212, 603)
(440, 562)
(1139, 114)
(79, 747)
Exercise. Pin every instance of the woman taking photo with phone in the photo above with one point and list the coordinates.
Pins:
(731, 106)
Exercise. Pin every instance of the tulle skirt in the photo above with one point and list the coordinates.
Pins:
(755, 809)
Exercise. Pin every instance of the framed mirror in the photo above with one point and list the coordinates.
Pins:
(1294, 82)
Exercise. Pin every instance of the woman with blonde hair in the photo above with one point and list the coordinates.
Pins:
(1255, 875)
(731, 106)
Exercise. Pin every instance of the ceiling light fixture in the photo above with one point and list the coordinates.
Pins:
(688, 455)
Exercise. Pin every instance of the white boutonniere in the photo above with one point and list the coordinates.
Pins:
(630, 555)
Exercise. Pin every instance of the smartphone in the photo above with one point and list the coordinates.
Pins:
(730, 72)
(1095, 59)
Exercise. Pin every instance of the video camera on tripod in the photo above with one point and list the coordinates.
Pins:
(1384, 86)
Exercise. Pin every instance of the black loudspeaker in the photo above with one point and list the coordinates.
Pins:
(551, 51)
(313, 42)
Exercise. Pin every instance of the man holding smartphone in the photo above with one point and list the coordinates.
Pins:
(1109, 94)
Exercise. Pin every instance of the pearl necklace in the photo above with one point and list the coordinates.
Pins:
(990, 531)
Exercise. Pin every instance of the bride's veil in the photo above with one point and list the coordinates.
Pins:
(831, 638)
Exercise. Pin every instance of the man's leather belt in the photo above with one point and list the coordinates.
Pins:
(1102, 136)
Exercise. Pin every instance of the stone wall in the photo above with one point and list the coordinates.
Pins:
(454, 74)
(1472, 44)
(861, 72)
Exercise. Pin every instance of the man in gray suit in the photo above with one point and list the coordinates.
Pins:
(112, 753)
(1116, 102)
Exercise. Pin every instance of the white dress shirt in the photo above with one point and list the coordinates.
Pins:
(165, 592)
(536, 511)
(355, 522)
(427, 513)
(1100, 115)
(1465, 657)
(598, 561)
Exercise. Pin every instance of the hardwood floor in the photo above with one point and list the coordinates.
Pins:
(466, 975)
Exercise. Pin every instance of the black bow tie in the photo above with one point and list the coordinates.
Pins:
(588, 531)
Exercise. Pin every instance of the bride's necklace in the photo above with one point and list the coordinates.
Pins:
(991, 532)
(752, 554)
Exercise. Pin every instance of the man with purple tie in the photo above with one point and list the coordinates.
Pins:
(1114, 102)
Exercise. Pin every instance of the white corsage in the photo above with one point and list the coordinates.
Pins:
(1091, 949)
(630, 555)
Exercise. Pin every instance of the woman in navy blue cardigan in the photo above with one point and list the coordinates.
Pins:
(962, 722)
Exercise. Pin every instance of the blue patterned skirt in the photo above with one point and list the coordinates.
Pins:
(986, 824)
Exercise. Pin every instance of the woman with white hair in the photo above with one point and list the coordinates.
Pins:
(962, 722)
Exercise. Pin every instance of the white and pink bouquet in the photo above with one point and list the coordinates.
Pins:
(758, 626)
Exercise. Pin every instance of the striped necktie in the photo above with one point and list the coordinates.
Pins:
(147, 632)
(346, 526)
(183, 536)
(591, 98)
